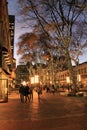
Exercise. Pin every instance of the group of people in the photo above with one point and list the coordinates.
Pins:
(26, 93)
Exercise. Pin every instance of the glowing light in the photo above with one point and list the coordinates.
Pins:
(79, 78)
(68, 79)
(34, 79)
(24, 83)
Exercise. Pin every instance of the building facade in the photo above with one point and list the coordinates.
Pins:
(80, 72)
(12, 31)
(6, 57)
(12, 35)
(61, 78)
(22, 74)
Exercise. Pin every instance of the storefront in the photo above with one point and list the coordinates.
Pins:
(4, 81)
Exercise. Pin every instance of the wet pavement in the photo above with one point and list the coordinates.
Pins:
(51, 112)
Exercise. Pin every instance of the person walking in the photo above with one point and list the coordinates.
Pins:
(27, 90)
(53, 89)
(31, 93)
(39, 91)
(21, 91)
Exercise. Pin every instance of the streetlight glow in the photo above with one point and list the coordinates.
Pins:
(68, 79)
(32, 80)
(79, 78)
(24, 83)
(36, 77)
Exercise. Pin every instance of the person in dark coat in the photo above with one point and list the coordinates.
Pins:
(31, 93)
(27, 89)
(21, 91)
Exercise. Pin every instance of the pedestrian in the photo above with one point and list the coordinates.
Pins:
(47, 89)
(31, 92)
(53, 89)
(21, 91)
(27, 89)
(39, 91)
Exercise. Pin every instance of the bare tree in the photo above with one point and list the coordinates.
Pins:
(59, 18)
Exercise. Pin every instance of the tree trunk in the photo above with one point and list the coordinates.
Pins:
(72, 74)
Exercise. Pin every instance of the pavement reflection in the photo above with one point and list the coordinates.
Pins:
(51, 112)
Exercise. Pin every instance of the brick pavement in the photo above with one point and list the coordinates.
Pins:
(51, 112)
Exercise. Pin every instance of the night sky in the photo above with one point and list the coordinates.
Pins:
(13, 10)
